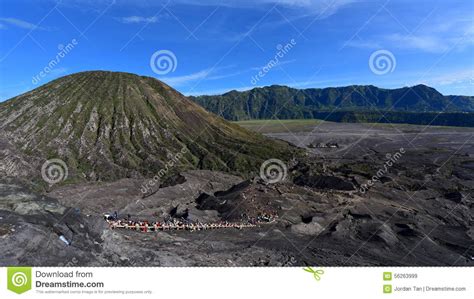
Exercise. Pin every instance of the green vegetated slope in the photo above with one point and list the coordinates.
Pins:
(352, 103)
(110, 125)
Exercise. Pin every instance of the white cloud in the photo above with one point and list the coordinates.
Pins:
(321, 4)
(427, 43)
(180, 80)
(456, 82)
(139, 19)
(19, 23)
(439, 32)
(324, 7)
(206, 74)
(363, 44)
(453, 77)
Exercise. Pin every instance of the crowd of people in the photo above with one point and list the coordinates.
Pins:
(261, 217)
(179, 224)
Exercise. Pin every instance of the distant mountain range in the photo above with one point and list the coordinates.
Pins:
(111, 125)
(350, 103)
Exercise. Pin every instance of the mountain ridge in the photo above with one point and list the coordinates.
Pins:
(290, 103)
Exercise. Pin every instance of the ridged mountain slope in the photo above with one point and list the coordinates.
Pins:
(109, 125)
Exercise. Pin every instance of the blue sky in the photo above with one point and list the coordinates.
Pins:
(220, 45)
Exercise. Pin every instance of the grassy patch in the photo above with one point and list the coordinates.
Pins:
(279, 126)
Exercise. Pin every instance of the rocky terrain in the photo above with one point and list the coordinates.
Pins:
(344, 206)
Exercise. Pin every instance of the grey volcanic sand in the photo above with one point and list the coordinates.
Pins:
(421, 213)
